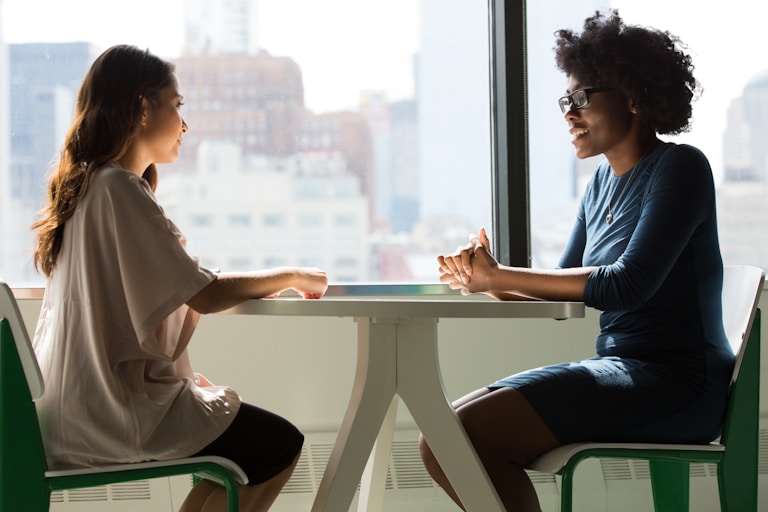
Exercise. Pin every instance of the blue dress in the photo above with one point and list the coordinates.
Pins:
(663, 363)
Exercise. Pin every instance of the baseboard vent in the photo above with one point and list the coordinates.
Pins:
(137, 490)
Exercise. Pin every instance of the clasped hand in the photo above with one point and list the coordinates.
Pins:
(470, 267)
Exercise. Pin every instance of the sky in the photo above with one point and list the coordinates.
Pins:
(726, 53)
(330, 83)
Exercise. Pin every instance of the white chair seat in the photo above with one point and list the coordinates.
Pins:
(554, 460)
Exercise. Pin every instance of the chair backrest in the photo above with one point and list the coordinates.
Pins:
(22, 455)
(742, 286)
(741, 318)
(9, 310)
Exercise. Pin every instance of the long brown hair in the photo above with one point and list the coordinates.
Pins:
(107, 116)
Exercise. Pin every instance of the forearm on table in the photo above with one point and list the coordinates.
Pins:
(232, 288)
(556, 284)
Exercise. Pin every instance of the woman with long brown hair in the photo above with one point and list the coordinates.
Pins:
(123, 298)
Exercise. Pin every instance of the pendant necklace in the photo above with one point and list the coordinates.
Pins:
(609, 216)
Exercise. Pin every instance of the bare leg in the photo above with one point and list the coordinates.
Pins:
(507, 433)
(209, 497)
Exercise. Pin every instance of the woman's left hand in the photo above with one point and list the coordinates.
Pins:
(468, 268)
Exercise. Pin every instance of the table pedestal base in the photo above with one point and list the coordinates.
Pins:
(398, 357)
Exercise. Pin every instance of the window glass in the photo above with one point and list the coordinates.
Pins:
(730, 119)
(356, 130)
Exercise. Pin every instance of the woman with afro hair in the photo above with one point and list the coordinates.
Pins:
(644, 251)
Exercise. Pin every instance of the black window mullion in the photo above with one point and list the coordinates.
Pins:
(509, 132)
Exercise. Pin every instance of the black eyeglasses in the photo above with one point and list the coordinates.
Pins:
(580, 98)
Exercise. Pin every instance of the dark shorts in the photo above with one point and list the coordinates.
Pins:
(678, 400)
(262, 443)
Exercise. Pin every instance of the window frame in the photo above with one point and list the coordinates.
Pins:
(509, 132)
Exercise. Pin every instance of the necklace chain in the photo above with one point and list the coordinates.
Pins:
(611, 202)
(609, 216)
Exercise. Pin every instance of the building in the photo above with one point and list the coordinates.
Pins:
(5, 197)
(222, 27)
(742, 198)
(44, 79)
(241, 213)
(255, 101)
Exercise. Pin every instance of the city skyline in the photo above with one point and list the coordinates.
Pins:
(332, 83)
(432, 70)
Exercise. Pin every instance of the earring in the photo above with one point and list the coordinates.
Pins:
(634, 110)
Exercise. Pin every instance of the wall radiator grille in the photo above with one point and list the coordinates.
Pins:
(406, 472)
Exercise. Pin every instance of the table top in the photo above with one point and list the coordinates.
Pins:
(389, 307)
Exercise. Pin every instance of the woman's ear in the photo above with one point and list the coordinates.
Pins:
(145, 110)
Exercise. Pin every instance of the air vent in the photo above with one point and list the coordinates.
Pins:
(623, 469)
(301, 480)
(136, 490)
(409, 471)
(762, 453)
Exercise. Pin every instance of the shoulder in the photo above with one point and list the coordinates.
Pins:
(110, 176)
(680, 163)
(114, 188)
(683, 155)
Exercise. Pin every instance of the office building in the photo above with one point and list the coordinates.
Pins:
(742, 196)
(44, 79)
(213, 26)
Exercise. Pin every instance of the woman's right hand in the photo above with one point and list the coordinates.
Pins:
(456, 268)
(311, 283)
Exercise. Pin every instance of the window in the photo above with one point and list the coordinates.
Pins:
(300, 119)
(376, 128)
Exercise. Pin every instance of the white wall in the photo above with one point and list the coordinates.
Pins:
(303, 368)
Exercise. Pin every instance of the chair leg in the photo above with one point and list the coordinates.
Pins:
(670, 482)
(738, 488)
(566, 488)
(737, 473)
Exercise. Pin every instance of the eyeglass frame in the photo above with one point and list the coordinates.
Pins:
(566, 101)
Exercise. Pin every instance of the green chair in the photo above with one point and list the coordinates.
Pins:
(734, 454)
(25, 482)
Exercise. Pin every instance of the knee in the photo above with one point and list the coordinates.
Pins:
(472, 425)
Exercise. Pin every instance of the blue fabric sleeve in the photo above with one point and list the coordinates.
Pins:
(573, 253)
(677, 203)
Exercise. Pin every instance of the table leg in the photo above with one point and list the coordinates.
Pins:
(420, 385)
(374, 388)
(374, 480)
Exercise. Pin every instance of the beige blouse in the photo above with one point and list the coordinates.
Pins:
(113, 332)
